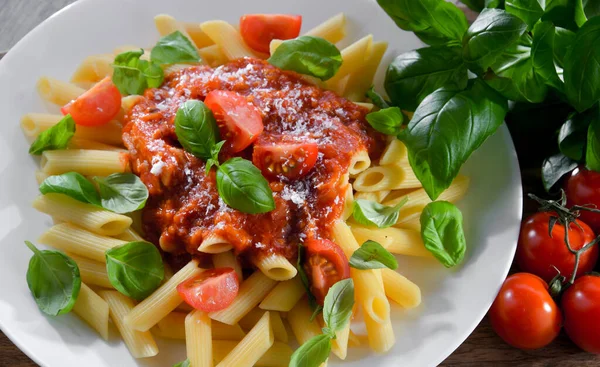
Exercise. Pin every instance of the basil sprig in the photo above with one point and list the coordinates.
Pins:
(135, 269)
(56, 137)
(54, 281)
(387, 121)
(174, 48)
(371, 213)
(133, 75)
(336, 315)
(196, 129)
(371, 255)
(442, 232)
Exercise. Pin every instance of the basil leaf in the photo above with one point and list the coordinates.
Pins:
(122, 192)
(582, 63)
(497, 4)
(312, 302)
(312, 353)
(337, 307)
(491, 33)
(153, 74)
(135, 269)
(174, 48)
(563, 40)
(72, 184)
(387, 121)
(475, 5)
(543, 55)
(554, 168)
(185, 363)
(376, 98)
(446, 128)
(530, 11)
(196, 128)
(585, 9)
(442, 232)
(572, 135)
(56, 137)
(592, 153)
(371, 213)
(561, 13)
(371, 255)
(127, 76)
(242, 187)
(214, 156)
(414, 75)
(308, 55)
(54, 281)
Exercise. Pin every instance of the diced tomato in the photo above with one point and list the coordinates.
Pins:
(258, 30)
(211, 290)
(326, 264)
(97, 106)
(239, 121)
(291, 160)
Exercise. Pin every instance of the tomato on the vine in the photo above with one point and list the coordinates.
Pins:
(524, 314)
(581, 306)
(583, 188)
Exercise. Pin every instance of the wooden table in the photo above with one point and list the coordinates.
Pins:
(482, 348)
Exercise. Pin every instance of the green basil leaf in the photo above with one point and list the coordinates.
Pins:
(376, 98)
(54, 281)
(122, 192)
(214, 156)
(312, 302)
(387, 121)
(563, 40)
(56, 137)
(414, 75)
(592, 153)
(308, 55)
(492, 32)
(530, 11)
(585, 9)
(185, 363)
(494, 4)
(475, 5)
(542, 54)
(442, 232)
(554, 168)
(128, 78)
(72, 184)
(561, 13)
(174, 48)
(572, 135)
(371, 213)
(196, 128)
(446, 128)
(337, 307)
(582, 63)
(243, 187)
(371, 255)
(153, 74)
(135, 269)
(312, 353)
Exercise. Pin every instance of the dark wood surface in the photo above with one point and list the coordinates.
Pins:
(482, 348)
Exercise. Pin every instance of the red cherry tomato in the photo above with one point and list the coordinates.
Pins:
(239, 121)
(537, 252)
(326, 264)
(524, 314)
(258, 30)
(582, 188)
(581, 305)
(211, 290)
(97, 106)
(292, 160)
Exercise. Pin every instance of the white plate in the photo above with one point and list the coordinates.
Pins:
(454, 301)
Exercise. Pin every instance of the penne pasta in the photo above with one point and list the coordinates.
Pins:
(333, 29)
(367, 105)
(299, 320)
(166, 24)
(359, 162)
(79, 143)
(395, 153)
(399, 241)
(380, 178)
(252, 317)
(284, 296)
(130, 235)
(276, 267)
(228, 260)
(92, 272)
(92, 309)
(93, 69)
(401, 290)
(278, 355)
(58, 92)
(199, 38)
(348, 202)
(360, 81)
(198, 339)
(353, 59)
(254, 345)
(213, 55)
(86, 162)
(214, 244)
(376, 196)
(172, 326)
(228, 39)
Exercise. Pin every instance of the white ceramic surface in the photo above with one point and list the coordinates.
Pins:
(454, 301)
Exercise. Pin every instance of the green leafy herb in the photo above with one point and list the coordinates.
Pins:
(214, 156)
(387, 121)
(494, 4)
(185, 363)
(371, 255)
(414, 75)
(572, 135)
(337, 307)
(545, 54)
(442, 232)
(196, 129)
(586, 9)
(554, 168)
(592, 153)
(56, 137)
(561, 13)
(133, 76)
(312, 353)
(530, 11)
(153, 73)
(243, 187)
(135, 269)
(475, 5)
(122, 192)
(308, 55)
(73, 185)
(376, 98)
(174, 48)
(371, 213)
(54, 281)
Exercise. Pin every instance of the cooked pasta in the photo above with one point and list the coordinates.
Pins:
(198, 339)
(93, 310)
(276, 267)
(93, 69)
(359, 82)
(353, 59)
(284, 296)
(401, 290)
(278, 355)
(172, 326)
(58, 92)
(254, 345)
(299, 320)
(92, 272)
(214, 244)
(399, 241)
(333, 29)
(227, 38)
(86, 162)
(228, 260)
(360, 162)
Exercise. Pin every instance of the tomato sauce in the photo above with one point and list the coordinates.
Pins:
(184, 206)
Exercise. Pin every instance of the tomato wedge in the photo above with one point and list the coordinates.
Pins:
(326, 264)
(292, 160)
(97, 106)
(258, 30)
(239, 121)
(210, 291)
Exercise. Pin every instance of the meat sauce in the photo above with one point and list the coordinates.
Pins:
(184, 206)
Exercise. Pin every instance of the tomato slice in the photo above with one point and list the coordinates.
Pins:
(211, 290)
(289, 160)
(326, 265)
(239, 121)
(258, 30)
(97, 106)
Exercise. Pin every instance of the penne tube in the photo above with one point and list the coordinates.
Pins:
(395, 153)
(284, 296)
(172, 326)
(228, 39)
(166, 24)
(79, 143)
(299, 320)
(198, 339)
(380, 178)
(376, 196)
(368, 106)
(401, 290)
(58, 92)
(93, 69)
(380, 334)
(276, 267)
(92, 309)
(279, 355)
(214, 244)
(130, 235)
(399, 241)
(359, 162)
(86, 162)
(348, 202)
(213, 55)
(360, 81)
(228, 260)
(199, 38)
(254, 345)
(333, 29)
(252, 317)
(92, 272)
(40, 177)
(353, 59)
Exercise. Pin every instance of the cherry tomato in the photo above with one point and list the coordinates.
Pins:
(582, 188)
(239, 121)
(537, 252)
(524, 314)
(211, 290)
(326, 265)
(96, 106)
(292, 160)
(258, 30)
(581, 305)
